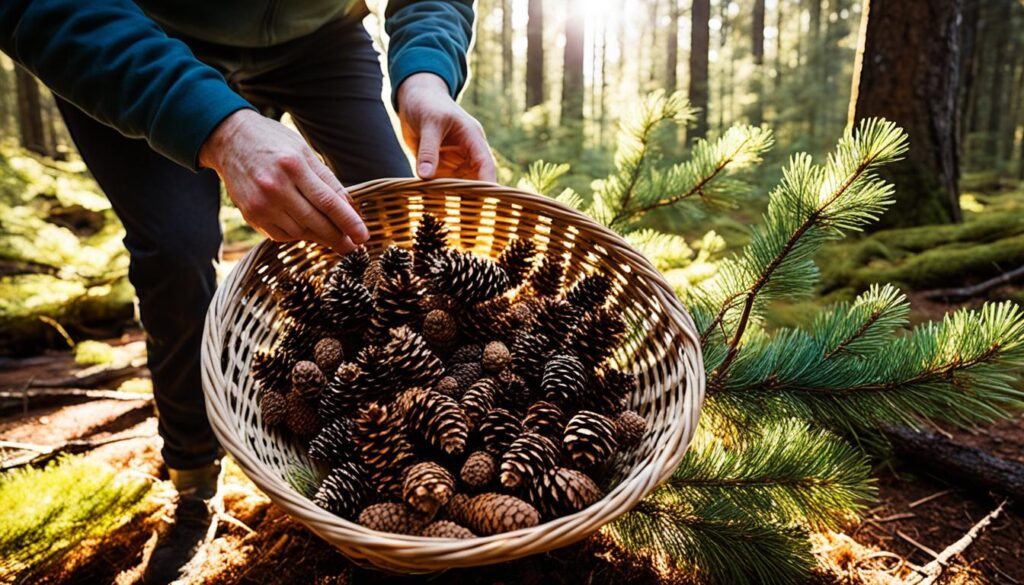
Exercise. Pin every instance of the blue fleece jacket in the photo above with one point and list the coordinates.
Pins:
(115, 60)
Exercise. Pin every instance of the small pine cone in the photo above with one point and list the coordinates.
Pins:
(630, 428)
(273, 408)
(439, 328)
(516, 395)
(590, 292)
(335, 443)
(561, 491)
(397, 303)
(427, 487)
(431, 237)
(496, 357)
(492, 513)
(346, 301)
(545, 418)
(546, 280)
(393, 517)
(308, 380)
(556, 319)
(466, 374)
(433, 302)
(521, 314)
(589, 439)
(383, 447)
(354, 264)
(529, 354)
(597, 336)
(466, 354)
(300, 417)
(446, 529)
(271, 371)
(437, 418)
(373, 275)
(345, 491)
(449, 386)
(530, 454)
(497, 430)
(478, 399)
(411, 360)
(479, 470)
(564, 380)
(486, 320)
(328, 354)
(467, 278)
(395, 262)
(517, 260)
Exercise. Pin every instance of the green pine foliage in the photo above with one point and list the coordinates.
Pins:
(779, 450)
(45, 513)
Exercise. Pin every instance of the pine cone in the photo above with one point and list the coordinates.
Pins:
(373, 276)
(561, 491)
(517, 260)
(432, 302)
(486, 320)
(395, 262)
(545, 418)
(427, 487)
(496, 357)
(437, 418)
(492, 513)
(449, 386)
(328, 354)
(522, 314)
(497, 430)
(466, 374)
(383, 447)
(609, 392)
(393, 517)
(479, 470)
(345, 491)
(346, 301)
(469, 279)
(546, 280)
(439, 328)
(478, 399)
(397, 303)
(431, 237)
(300, 417)
(529, 354)
(355, 383)
(354, 264)
(271, 371)
(273, 408)
(335, 443)
(630, 429)
(556, 319)
(515, 395)
(589, 439)
(564, 380)
(446, 529)
(296, 344)
(297, 297)
(410, 359)
(590, 292)
(529, 455)
(597, 336)
(308, 380)
(466, 354)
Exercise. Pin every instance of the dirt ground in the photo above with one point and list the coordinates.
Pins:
(254, 542)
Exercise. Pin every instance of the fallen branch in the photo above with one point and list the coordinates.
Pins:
(42, 397)
(966, 292)
(43, 454)
(104, 377)
(930, 573)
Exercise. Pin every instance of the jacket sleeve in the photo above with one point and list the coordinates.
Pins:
(112, 61)
(430, 36)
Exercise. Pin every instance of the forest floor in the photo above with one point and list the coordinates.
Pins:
(916, 514)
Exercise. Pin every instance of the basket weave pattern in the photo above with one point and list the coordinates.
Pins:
(662, 349)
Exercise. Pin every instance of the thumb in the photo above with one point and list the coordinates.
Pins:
(428, 151)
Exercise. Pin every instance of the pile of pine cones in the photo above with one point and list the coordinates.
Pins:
(448, 395)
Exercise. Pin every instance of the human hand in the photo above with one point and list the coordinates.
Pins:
(278, 183)
(448, 142)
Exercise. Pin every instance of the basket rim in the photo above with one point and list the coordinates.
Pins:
(403, 550)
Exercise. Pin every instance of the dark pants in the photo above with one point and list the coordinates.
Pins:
(330, 83)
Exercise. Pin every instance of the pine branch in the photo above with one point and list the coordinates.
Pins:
(785, 472)
(857, 328)
(542, 177)
(716, 540)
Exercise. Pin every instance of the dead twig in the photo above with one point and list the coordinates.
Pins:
(917, 544)
(966, 292)
(44, 454)
(58, 392)
(930, 573)
(927, 499)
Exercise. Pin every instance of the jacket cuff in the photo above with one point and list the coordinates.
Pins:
(414, 60)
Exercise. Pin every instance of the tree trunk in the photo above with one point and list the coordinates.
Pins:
(996, 112)
(652, 73)
(725, 72)
(970, 55)
(506, 56)
(700, 38)
(779, 63)
(757, 51)
(908, 70)
(535, 54)
(30, 114)
(672, 48)
(572, 71)
(814, 57)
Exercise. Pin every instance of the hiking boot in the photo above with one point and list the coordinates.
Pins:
(179, 544)
(200, 482)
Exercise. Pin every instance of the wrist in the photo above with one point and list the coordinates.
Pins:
(223, 134)
(420, 84)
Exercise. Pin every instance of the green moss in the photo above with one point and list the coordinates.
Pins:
(45, 513)
(89, 352)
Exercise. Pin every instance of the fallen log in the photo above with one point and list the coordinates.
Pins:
(104, 377)
(24, 400)
(969, 467)
(42, 454)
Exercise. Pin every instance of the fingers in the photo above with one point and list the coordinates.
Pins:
(429, 150)
(335, 216)
(302, 221)
(480, 155)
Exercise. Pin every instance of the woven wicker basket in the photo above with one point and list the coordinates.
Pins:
(483, 217)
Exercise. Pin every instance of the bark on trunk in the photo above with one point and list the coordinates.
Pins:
(996, 111)
(672, 48)
(30, 114)
(908, 70)
(506, 55)
(700, 36)
(572, 73)
(535, 54)
(757, 51)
